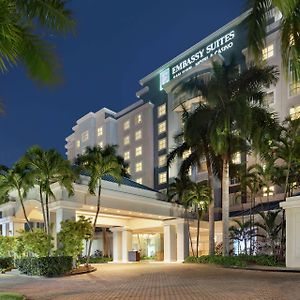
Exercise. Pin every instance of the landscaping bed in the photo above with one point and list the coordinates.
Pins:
(82, 270)
(11, 296)
(241, 261)
(96, 260)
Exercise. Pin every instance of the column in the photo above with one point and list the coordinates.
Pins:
(63, 214)
(117, 245)
(126, 244)
(169, 243)
(182, 241)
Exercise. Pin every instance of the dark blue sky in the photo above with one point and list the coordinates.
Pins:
(117, 43)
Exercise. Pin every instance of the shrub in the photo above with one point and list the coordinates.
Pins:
(72, 234)
(36, 242)
(45, 266)
(6, 246)
(96, 260)
(6, 263)
(11, 296)
(237, 261)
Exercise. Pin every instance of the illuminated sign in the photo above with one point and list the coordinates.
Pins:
(218, 46)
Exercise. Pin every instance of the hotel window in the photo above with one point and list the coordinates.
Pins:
(78, 143)
(138, 151)
(139, 180)
(162, 177)
(162, 160)
(126, 140)
(268, 52)
(100, 131)
(294, 88)
(138, 167)
(127, 155)
(126, 125)
(236, 159)
(128, 170)
(162, 127)
(162, 144)
(138, 119)
(161, 110)
(202, 167)
(190, 171)
(268, 191)
(295, 112)
(138, 135)
(100, 144)
(85, 136)
(186, 154)
(269, 98)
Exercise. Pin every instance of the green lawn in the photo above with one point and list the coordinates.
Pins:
(11, 296)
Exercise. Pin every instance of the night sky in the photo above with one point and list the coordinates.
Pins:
(117, 43)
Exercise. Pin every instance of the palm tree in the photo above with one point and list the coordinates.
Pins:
(98, 162)
(16, 179)
(238, 116)
(196, 142)
(22, 30)
(271, 228)
(257, 21)
(177, 189)
(48, 167)
(198, 196)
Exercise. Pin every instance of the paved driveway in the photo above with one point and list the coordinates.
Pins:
(159, 281)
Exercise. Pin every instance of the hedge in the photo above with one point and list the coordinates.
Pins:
(96, 260)
(238, 261)
(51, 266)
(6, 263)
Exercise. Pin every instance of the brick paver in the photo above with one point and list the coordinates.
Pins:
(158, 281)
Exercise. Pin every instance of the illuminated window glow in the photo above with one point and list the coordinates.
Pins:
(268, 52)
(161, 110)
(162, 177)
(162, 127)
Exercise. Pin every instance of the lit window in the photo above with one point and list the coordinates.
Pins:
(190, 171)
(162, 177)
(128, 170)
(268, 52)
(138, 135)
(100, 131)
(138, 167)
(236, 159)
(202, 167)
(295, 112)
(268, 191)
(126, 140)
(186, 154)
(162, 127)
(162, 160)
(85, 136)
(161, 110)
(138, 119)
(139, 180)
(138, 151)
(162, 144)
(294, 88)
(269, 98)
(78, 143)
(100, 144)
(126, 125)
(127, 155)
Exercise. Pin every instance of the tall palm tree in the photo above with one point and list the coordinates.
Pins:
(195, 139)
(16, 179)
(22, 29)
(289, 26)
(48, 167)
(98, 162)
(177, 190)
(198, 196)
(236, 99)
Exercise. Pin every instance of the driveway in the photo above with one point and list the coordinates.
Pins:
(158, 281)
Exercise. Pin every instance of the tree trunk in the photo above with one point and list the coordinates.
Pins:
(47, 213)
(43, 210)
(95, 223)
(190, 237)
(198, 230)
(211, 209)
(225, 206)
(24, 211)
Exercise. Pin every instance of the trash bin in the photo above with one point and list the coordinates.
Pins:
(134, 255)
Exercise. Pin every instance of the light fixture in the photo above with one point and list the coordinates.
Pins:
(105, 209)
(118, 211)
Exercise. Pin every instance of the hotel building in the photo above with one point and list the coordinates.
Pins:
(144, 132)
